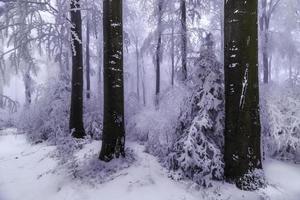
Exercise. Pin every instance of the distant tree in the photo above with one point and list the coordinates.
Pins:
(23, 28)
(76, 121)
(268, 8)
(137, 54)
(242, 119)
(183, 38)
(158, 51)
(113, 139)
(87, 58)
(16, 23)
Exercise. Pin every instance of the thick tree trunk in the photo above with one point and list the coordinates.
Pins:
(183, 39)
(242, 120)
(113, 140)
(76, 122)
(158, 53)
(87, 57)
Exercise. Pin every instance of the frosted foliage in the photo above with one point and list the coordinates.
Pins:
(4, 118)
(197, 153)
(93, 117)
(281, 122)
(47, 118)
(156, 128)
(132, 106)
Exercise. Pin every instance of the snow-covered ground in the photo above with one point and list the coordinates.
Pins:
(29, 173)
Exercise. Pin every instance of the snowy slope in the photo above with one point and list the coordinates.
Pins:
(28, 173)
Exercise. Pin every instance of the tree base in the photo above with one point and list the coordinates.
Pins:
(78, 134)
(251, 181)
(111, 151)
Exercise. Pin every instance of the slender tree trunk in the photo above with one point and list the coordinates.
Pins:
(1, 93)
(88, 80)
(27, 84)
(76, 122)
(137, 69)
(100, 68)
(265, 58)
(113, 141)
(270, 68)
(242, 121)
(264, 27)
(158, 53)
(172, 55)
(143, 82)
(183, 39)
(290, 71)
(222, 35)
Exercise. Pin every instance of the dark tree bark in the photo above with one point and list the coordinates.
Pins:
(183, 39)
(113, 140)
(242, 120)
(76, 122)
(88, 80)
(158, 52)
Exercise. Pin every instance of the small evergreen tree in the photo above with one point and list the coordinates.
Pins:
(197, 152)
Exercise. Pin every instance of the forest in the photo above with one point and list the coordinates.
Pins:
(150, 99)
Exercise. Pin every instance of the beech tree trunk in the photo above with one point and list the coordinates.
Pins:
(158, 53)
(88, 80)
(265, 29)
(1, 93)
(183, 39)
(76, 122)
(27, 84)
(137, 68)
(143, 81)
(113, 139)
(172, 55)
(242, 120)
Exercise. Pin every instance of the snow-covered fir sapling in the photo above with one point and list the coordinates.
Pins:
(197, 153)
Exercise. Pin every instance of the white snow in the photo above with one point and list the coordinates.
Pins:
(28, 172)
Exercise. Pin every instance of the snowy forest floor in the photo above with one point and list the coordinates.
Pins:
(27, 172)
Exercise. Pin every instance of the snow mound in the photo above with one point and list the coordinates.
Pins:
(88, 169)
(29, 172)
